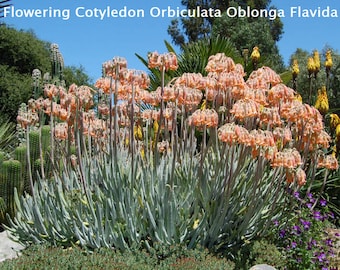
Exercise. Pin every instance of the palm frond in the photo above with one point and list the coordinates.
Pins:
(3, 4)
(7, 136)
(193, 58)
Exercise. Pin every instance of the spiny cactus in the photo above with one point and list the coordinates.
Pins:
(57, 63)
(10, 179)
(34, 144)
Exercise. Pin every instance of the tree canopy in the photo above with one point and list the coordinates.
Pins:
(244, 32)
(191, 29)
(21, 52)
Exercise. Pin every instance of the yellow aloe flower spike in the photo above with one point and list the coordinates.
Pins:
(295, 68)
(322, 101)
(329, 61)
(310, 65)
(255, 54)
(316, 59)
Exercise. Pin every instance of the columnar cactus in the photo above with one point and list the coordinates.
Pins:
(10, 179)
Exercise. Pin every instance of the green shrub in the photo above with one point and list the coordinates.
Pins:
(43, 257)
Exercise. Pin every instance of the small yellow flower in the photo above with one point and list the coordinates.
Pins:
(322, 101)
(196, 223)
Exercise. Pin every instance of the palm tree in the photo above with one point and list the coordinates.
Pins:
(3, 4)
(194, 56)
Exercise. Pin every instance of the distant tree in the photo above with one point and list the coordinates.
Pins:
(15, 88)
(247, 33)
(77, 75)
(21, 52)
(191, 29)
(244, 32)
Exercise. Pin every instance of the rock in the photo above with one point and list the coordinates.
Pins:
(262, 267)
(8, 248)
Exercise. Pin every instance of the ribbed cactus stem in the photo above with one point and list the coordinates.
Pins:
(45, 137)
(20, 153)
(34, 145)
(12, 172)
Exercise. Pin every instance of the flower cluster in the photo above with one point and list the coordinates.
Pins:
(303, 238)
(166, 61)
(260, 112)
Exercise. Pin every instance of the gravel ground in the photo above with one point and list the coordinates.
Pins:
(8, 248)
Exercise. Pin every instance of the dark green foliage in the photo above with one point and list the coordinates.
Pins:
(23, 51)
(263, 252)
(42, 257)
(15, 88)
(195, 28)
(246, 36)
(77, 75)
(243, 32)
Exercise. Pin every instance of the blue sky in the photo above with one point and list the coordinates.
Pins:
(90, 41)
